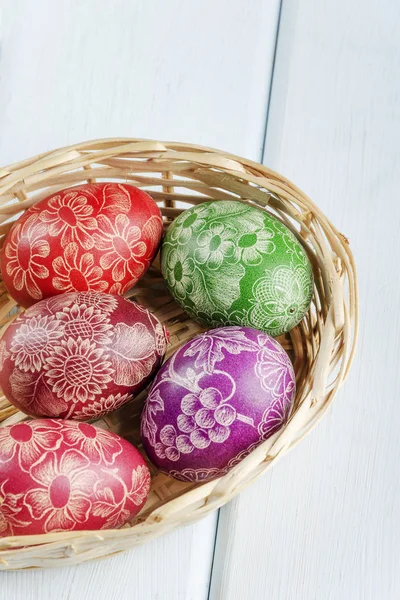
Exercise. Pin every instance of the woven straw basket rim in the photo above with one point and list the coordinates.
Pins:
(179, 175)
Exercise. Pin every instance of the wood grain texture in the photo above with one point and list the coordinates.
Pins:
(72, 70)
(324, 524)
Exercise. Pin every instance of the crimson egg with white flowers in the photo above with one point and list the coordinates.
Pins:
(62, 476)
(79, 355)
(94, 237)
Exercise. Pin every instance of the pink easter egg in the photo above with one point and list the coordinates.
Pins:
(63, 476)
(100, 237)
(79, 355)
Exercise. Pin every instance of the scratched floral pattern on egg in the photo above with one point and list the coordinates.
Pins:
(215, 400)
(228, 263)
(62, 475)
(79, 355)
(95, 237)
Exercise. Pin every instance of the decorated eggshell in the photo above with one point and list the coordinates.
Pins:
(79, 355)
(227, 263)
(217, 398)
(99, 237)
(61, 476)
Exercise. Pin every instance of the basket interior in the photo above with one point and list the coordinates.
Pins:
(178, 176)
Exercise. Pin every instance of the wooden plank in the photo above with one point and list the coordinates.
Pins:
(324, 524)
(175, 567)
(79, 70)
(73, 70)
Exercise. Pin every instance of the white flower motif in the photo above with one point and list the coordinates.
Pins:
(74, 274)
(78, 370)
(102, 407)
(189, 222)
(252, 245)
(70, 216)
(98, 445)
(33, 342)
(65, 488)
(197, 475)
(275, 372)
(122, 246)
(10, 507)
(206, 289)
(85, 322)
(274, 417)
(118, 288)
(29, 441)
(179, 272)
(215, 244)
(24, 248)
(281, 298)
(103, 302)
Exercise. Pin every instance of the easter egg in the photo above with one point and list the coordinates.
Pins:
(228, 263)
(215, 400)
(79, 355)
(95, 237)
(62, 476)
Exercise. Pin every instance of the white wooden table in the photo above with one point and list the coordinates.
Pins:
(310, 87)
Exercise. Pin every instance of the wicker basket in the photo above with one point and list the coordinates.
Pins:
(177, 176)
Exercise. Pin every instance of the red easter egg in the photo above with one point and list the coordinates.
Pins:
(62, 476)
(100, 237)
(79, 355)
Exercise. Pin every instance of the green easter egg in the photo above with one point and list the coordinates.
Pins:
(228, 263)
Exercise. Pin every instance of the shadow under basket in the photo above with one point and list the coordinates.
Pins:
(178, 176)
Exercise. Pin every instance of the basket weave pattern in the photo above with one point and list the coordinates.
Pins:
(178, 176)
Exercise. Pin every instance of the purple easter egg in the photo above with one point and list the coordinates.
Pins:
(216, 399)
